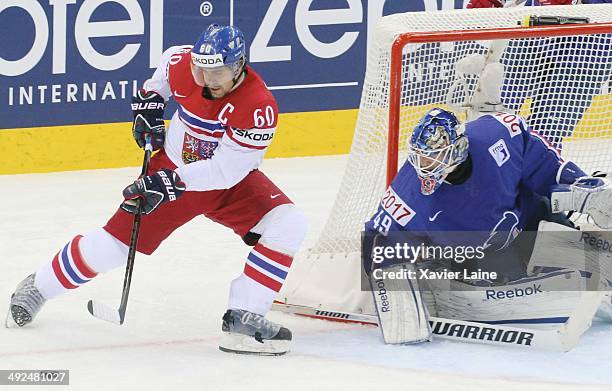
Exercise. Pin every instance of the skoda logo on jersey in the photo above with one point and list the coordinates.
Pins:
(500, 152)
(254, 136)
(207, 60)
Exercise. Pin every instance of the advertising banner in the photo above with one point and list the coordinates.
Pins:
(68, 69)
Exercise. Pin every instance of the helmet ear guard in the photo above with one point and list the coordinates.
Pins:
(238, 68)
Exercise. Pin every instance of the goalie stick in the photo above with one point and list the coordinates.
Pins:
(563, 338)
(100, 310)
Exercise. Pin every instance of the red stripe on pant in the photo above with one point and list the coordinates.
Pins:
(78, 259)
(262, 278)
(60, 275)
(281, 258)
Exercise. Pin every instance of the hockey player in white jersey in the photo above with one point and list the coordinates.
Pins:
(207, 164)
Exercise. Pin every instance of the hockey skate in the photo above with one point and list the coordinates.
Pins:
(604, 312)
(25, 303)
(249, 333)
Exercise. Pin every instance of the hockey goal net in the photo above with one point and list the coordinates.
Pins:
(558, 77)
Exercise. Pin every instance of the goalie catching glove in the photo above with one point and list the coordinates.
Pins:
(587, 195)
(152, 191)
(148, 110)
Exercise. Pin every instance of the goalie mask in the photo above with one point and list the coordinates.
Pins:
(436, 148)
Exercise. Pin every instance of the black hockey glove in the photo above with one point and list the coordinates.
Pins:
(148, 109)
(152, 190)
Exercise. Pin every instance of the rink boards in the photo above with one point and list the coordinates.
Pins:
(69, 73)
(74, 147)
(68, 78)
(77, 147)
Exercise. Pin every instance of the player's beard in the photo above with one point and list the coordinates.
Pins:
(219, 91)
(206, 93)
(212, 94)
(211, 91)
(224, 89)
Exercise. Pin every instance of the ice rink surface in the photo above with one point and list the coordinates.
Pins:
(169, 340)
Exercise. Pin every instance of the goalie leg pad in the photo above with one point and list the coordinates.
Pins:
(557, 246)
(402, 315)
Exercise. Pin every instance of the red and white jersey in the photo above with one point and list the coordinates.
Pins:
(214, 143)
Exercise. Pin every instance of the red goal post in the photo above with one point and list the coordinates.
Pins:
(404, 39)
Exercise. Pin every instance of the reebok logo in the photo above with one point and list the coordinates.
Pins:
(384, 305)
(510, 293)
(596, 241)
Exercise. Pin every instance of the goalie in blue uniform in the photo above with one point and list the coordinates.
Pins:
(480, 185)
(492, 176)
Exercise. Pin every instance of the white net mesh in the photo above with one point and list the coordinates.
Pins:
(560, 84)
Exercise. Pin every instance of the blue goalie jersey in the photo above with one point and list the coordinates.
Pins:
(512, 169)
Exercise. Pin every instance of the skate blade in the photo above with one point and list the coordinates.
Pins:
(9, 323)
(243, 344)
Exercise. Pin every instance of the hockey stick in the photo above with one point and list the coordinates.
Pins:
(563, 338)
(100, 310)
